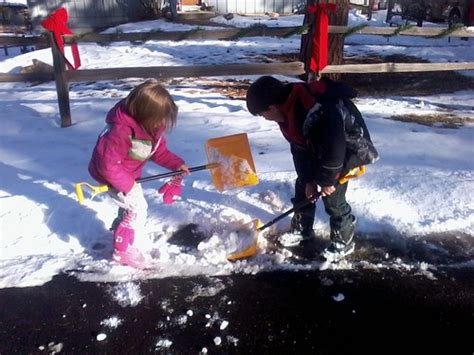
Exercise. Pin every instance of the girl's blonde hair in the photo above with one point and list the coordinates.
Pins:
(151, 105)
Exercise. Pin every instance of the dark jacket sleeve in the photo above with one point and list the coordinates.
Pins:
(304, 163)
(331, 145)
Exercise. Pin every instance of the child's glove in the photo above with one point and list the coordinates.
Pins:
(171, 189)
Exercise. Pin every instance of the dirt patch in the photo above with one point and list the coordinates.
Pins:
(233, 89)
(404, 84)
(438, 120)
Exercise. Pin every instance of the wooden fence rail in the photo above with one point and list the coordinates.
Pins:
(396, 67)
(228, 34)
(291, 68)
(62, 77)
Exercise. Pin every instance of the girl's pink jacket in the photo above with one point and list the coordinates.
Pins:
(124, 147)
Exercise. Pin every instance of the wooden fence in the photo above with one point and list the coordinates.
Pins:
(62, 77)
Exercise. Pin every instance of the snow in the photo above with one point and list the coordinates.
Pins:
(112, 322)
(422, 187)
(101, 337)
(126, 294)
(15, 2)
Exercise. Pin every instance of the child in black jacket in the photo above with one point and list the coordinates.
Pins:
(328, 138)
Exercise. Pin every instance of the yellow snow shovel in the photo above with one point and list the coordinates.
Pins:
(358, 171)
(232, 166)
(233, 156)
(256, 227)
(95, 190)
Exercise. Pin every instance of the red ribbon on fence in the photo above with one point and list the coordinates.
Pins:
(319, 54)
(57, 23)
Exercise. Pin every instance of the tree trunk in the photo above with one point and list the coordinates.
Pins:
(306, 45)
(336, 42)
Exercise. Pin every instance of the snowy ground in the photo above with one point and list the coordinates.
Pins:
(420, 190)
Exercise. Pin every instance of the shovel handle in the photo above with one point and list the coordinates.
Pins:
(79, 193)
(104, 188)
(352, 174)
(297, 207)
(176, 172)
(95, 190)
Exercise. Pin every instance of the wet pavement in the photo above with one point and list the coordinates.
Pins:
(317, 312)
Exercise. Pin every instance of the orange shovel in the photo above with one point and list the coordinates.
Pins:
(230, 163)
(251, 248)
(234, 159)
(256, 226)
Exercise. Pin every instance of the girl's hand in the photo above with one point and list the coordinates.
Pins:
(172, 189)
(185, 168)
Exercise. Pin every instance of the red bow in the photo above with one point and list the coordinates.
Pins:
(57, 23)
(319, 55)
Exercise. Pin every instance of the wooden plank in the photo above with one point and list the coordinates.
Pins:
(251, 32)
(23, 41)
(396, 67)
(294, 68)
(32, 77)
(62, 85)
(223, 34)
(233, 33)
(413, 31)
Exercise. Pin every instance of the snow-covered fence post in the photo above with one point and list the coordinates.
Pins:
(62, 84)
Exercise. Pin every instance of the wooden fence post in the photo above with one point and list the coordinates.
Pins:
(62, 85)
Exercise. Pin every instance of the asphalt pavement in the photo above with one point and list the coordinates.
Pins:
(317, 312)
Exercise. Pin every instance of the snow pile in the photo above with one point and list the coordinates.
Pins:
(420, 188)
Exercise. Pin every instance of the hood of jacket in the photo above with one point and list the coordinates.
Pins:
(119, 115)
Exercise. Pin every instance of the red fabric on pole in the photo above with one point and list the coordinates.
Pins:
(57, 23)
(319, 54)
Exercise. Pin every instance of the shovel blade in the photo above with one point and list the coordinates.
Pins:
(249, 243)
(234, 163)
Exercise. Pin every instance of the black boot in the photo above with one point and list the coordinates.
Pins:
(303, 224)
(342, 243)
(344, 235)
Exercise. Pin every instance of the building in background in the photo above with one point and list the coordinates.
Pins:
(283, 7)
(14, 18)
(87, 15)
(377, 4)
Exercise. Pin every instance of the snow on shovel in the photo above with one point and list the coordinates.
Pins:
(234, 159)
(230, 163)
(248, 233)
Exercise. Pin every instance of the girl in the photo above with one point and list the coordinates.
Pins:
(135, 134)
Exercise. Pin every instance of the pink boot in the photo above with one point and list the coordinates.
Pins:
(124, 236)
(131, 257)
